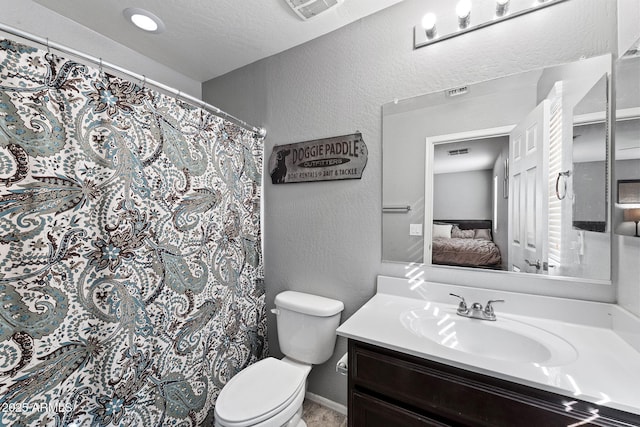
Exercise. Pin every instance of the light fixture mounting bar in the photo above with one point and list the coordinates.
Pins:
(484, 15)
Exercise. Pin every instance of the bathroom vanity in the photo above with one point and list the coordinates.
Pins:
(414, 362)
(389, 388)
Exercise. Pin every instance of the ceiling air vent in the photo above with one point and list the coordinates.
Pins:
(458, 151)
(307, 9)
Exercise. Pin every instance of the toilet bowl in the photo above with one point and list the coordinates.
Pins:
(270, 392)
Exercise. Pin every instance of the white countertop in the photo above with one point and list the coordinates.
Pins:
(606, 370)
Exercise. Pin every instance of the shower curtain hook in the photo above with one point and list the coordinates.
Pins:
(144, 81)
(48, 47)
(101, 70)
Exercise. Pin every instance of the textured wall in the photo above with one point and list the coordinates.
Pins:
(325, 238)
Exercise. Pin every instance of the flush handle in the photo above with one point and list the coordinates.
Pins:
(275, 311)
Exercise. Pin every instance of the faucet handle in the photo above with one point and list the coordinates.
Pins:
(488, 309)
(462, 307)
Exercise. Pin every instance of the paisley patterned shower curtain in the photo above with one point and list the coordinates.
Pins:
(130, 250)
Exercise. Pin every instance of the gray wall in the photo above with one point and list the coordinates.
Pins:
(589, 205)
(463, 195)
(325, 238)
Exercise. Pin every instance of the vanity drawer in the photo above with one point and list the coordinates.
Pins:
(459, 397)
(373, 412)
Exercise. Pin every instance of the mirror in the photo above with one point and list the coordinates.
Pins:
(485, 176)
(626, 186)
(589, 158)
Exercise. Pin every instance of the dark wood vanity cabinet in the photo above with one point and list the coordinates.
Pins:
(388, 388)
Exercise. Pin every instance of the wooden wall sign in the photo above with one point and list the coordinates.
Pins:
(328, 159)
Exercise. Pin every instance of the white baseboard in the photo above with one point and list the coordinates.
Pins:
(341, 409)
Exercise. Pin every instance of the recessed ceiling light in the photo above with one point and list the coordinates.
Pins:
(144, 20)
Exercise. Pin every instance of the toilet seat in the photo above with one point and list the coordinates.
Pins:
(260, 392)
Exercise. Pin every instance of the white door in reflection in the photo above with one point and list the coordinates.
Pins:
(529, 146)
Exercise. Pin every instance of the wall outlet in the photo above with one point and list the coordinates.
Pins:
(415, 229)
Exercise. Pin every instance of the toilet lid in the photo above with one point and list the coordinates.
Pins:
(259, 391)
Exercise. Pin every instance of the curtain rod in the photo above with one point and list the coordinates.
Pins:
(262, 132)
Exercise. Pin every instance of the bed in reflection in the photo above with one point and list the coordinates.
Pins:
(465, 243)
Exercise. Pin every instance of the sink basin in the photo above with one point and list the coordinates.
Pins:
(504, 339)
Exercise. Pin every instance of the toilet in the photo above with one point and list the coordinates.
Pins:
(270, 392)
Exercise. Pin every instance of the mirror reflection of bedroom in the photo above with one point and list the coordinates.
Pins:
(470, 210)
(511, 174)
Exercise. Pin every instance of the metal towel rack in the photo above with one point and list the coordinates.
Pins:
(565, 175)
(396, 209)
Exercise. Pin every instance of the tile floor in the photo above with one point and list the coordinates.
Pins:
(316, 415)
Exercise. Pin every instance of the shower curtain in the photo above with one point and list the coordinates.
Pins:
(131, 269)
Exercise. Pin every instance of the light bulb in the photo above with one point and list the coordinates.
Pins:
(463, 10)
(502, 7)
(144, 22)
(429, 24)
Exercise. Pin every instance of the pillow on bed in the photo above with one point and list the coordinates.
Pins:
(442, 231)
(482, 234)
(457, 233)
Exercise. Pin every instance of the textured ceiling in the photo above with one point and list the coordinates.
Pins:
(207, 38)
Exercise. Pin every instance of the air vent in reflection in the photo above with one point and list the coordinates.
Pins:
(458, 152)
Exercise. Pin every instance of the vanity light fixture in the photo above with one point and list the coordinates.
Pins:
(502, 7)
(144, 20)
(429, 25)
(463, 10)
(454, 19)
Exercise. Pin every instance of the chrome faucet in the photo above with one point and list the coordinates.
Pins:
(476, 311)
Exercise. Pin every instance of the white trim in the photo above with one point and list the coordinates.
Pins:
(628, 114)
(323, 401)
(471, 135)
(622, 114)
(599, 117)
(589, 119)
(428, 200)
(431, 142)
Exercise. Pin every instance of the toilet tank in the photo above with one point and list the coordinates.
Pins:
(307, 326)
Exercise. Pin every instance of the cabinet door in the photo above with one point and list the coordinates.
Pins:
(372, 412)
(387, 388)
